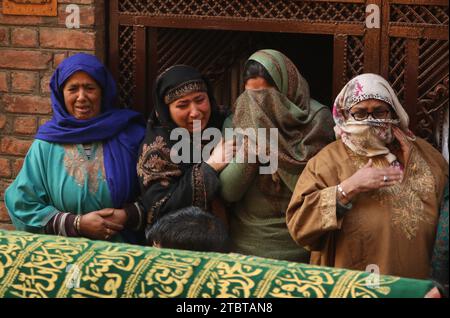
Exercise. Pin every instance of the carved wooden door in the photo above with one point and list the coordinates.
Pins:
(410, 48)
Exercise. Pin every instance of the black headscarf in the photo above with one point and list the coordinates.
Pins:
(155, 165)
(174, 77)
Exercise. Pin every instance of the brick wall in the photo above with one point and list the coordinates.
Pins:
(31, 47)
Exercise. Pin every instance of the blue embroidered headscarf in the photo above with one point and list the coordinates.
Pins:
(120, 130)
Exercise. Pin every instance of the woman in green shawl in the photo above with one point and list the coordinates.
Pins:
(275, 96)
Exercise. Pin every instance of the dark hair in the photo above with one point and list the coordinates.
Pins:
(190, 229)
(254, 69)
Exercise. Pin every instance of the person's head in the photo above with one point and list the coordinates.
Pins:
(183, 95)
(367, 112)
(82, 96)
(368, 98)
(190, 229)
(256, 76)
(271, 68)
(82, 87)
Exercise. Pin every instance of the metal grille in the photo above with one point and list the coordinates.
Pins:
(433, 88)
(127, 59)
(355, 57)
(397, 66)
(211, 52)
(221, 55)
(401, 14)
(330, 12)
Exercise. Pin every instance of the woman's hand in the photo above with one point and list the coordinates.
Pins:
(433, 293)
(368, 178)
(119, 217)
(94, 225)
(222, 154)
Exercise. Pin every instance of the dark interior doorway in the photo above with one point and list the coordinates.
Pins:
(221, 55)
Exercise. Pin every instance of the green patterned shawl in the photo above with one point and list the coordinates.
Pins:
(33, 265)
(304, 125)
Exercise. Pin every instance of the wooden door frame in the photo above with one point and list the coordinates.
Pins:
(356, 48)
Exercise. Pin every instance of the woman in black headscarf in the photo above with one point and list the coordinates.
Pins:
(181, 96)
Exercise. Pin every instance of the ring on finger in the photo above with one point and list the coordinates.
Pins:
(108, 233)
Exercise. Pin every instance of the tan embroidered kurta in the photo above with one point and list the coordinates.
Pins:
(392, 228)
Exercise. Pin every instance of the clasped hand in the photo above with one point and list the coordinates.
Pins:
(102, 224)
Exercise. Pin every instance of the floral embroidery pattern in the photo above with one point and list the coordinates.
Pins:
(328, 207)
(199, 198)
(84, 170)
(155, 165)
(406, 198)
(359, 88)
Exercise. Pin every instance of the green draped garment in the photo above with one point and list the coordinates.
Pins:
(35, 265)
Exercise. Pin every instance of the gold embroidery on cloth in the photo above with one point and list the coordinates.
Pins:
(406, 198)
(155, 165)
(80, 168)
(360, 285)
(36, 266)
(327, 206)
(198, 188)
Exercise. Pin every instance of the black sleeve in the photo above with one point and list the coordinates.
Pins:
(196, 186)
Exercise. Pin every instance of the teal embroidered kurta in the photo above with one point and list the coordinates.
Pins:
(57, 178)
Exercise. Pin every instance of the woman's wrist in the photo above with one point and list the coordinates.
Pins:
(348, 191)
(80, 226)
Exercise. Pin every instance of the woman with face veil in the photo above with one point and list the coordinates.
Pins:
(370, 200)
(275, 96)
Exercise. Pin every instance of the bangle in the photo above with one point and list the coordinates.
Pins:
(77, 224)
(342, 192)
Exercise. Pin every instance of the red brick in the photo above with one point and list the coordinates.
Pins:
(58, 58)
(7, 227)
(2, 121)
(23, 82)
(3, 82)
(17, 165)
(4, 216)
(45, 81)
(87, 15)
(24, 37)
(15, 146)
(21, 19)
(72, 53)
(5, 168)
(4, 36)
(77, 1)
(4, 183)
(24, 59)
(67, 39)
(25, 125)
(26, 104)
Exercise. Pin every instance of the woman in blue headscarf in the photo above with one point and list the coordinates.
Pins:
(81, 169)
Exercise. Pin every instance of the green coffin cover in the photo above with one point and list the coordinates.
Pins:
(33, 265)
